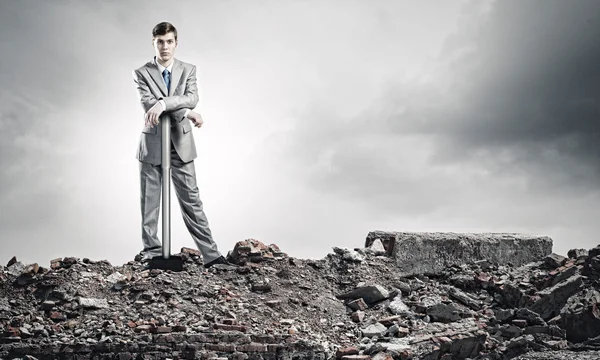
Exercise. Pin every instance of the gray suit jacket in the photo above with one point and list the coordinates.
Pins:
(182, 95)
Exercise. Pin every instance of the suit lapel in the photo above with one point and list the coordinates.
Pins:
(157, 77)
(175, 76)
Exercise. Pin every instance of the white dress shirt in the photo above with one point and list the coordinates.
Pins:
(169, 68)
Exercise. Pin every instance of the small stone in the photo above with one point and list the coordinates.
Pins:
(286, 321)
(577, 253)
(510, 331)
(371, 294)
(402, 332)
(389, 320)
(116, 277)
(11, 261)
(504, 315)
(226, 327)
(346, 351)
(357, 316)
(163, 329)
(358, 304)
(91, 303)
(143, 328)
(273, 303)
(377, 247)
(382, 356)
(393, 330)
(376, 329)
(403, 287)
(398, 307)
(348, 255)
(554, 260)
(190, 251)
(48, 305)
(57, 316)
(519, 322)
(261, 286)
(230, 321)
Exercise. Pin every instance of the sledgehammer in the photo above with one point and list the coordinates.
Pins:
(166, 261)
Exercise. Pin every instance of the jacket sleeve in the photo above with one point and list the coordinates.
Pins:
(148, 100)
(189, 99)
(146, 97)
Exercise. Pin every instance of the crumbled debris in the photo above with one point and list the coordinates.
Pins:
(352, 304)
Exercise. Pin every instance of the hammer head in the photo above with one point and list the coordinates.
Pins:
(173, 263)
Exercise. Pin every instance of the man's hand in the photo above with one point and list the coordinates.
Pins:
(153, 114)
(196, 119)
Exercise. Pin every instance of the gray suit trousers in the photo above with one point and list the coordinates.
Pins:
(183, 177)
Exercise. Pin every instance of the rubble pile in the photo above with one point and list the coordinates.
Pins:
(352, 304)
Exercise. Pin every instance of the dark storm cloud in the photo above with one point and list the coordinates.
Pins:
(515, 94)
(529, 84)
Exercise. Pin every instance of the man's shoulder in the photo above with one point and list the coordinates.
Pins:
(143, 66)
(186, 64)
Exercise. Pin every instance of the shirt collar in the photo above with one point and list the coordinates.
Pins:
(162, 68)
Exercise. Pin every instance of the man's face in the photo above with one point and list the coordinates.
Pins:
(164, 46)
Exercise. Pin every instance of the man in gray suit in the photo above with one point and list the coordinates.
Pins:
(167, 90)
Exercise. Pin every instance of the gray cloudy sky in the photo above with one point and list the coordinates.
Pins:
(324, 120)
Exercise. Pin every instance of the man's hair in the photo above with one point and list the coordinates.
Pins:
(163, 28)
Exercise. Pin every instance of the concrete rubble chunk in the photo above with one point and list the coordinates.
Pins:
(403, 287)
(348, 255)
(431, 252)
(562, 275)
(91, 303)
(553, 299)
(377, 247)
(371, 294)
(346, 351)
(48, 305)
(11, 261)
(554, 260)
(577, 253)
(382, 356)
(581, 316)
(16, 268)
(531, 317)
(358, 304)
(445, 313)
(358, 316)
(398, 307)
(464, 298)
(116, 277)
(372, 330)
(254, 251)
(504, 315)
(593, 252)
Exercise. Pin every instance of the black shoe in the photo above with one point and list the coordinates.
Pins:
(145, 264)
(222, 262)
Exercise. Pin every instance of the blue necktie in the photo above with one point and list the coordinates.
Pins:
(167, 77)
